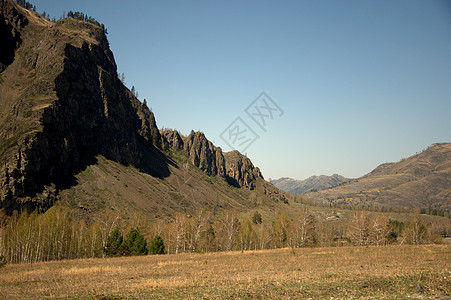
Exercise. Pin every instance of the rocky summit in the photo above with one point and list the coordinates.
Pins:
(64, 112)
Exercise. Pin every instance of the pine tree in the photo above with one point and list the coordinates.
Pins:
(122, 77)
(135, 243)
(114, 243)
(157, 245)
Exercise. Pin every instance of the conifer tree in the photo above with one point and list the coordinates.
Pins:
(114, 243)
(135, 243)
(157, 245)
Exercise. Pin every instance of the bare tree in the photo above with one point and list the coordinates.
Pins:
(358, 228)
(264, 235)
(107, 221)
(197, 226)
(179, 232)
(247, 235)
(325, 233)
(228, 230)
(304, 228)
(416, 232)
(379, 230)
(280, 230)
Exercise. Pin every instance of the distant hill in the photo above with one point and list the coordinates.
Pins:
(420, 181)
(316, 183)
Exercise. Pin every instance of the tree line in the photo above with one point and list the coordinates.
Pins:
(82, 17)
(133, 244)
(369, 207)
(56, 234)
(26, 4)
(75, 15)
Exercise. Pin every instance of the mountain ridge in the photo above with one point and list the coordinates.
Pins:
(420, 181)
(65, 114)
(314, 182)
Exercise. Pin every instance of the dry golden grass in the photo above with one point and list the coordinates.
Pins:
(345, 272)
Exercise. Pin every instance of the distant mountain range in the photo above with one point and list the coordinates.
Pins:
(420, 181)
(313, 183)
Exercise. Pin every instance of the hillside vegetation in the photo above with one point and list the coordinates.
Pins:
(59, 234)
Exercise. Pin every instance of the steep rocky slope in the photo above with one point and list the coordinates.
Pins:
(312, 183)
(234, 167)
(420, 181)
(62, 103)
(63, 110)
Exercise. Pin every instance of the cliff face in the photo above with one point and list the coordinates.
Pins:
(11, 21)
(61, 102)
(174, 139)
(240, 170)
(204, 155)
(234, 167)
(65, 114)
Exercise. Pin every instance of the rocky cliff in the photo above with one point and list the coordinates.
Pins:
(240, 171)
(204, 155)
(63, 107)
(234, 167)
(61, 103)
(11, 22)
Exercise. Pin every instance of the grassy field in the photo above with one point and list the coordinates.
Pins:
(391, 272)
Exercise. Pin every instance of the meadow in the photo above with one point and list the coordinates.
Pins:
(385, 272)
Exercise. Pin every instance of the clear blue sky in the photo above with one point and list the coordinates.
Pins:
(360, 82)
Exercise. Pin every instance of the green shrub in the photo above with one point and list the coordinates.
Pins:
(257, 218)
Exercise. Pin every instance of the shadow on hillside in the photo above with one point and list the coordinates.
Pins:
(45, 191)
(152, 162)
(10, 39)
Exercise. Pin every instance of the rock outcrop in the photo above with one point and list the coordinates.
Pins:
(173, 138)
(234, 167)
(204, 155)
(11, 22)
(61, 103)
(240, 171)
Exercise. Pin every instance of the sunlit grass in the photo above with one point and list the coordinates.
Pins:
(342, 272)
